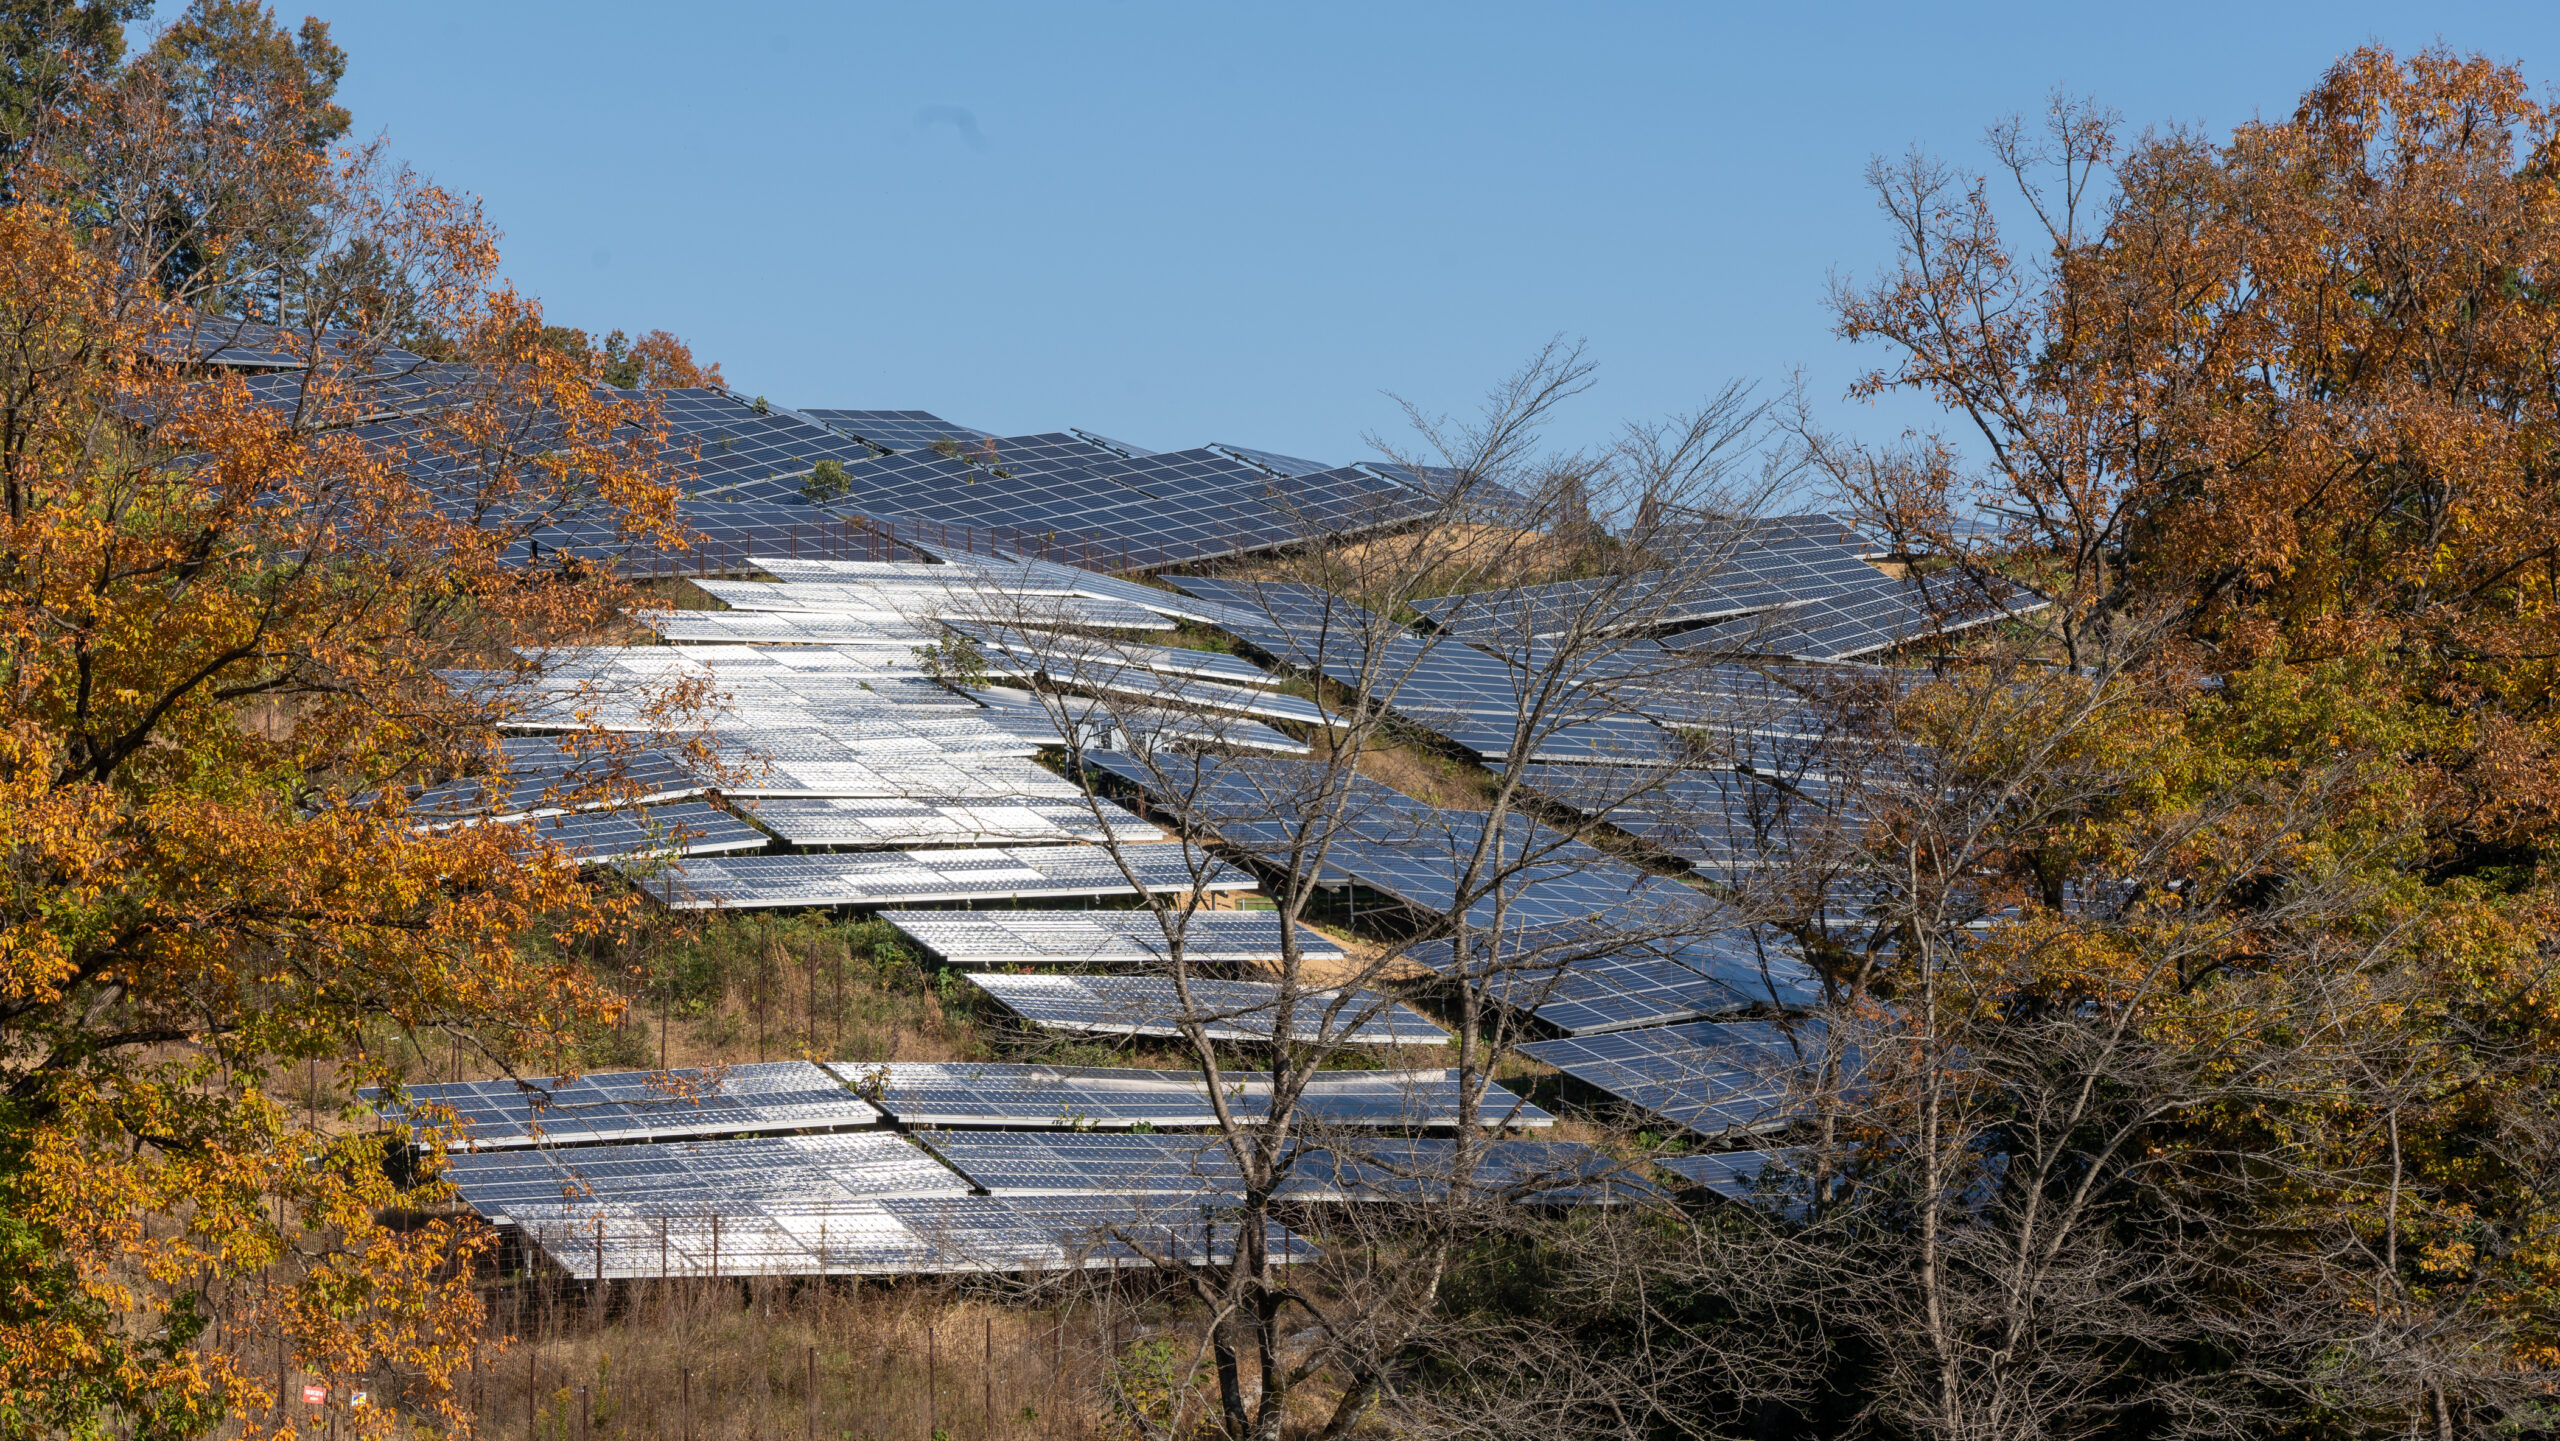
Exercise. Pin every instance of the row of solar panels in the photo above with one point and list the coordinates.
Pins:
(748, 465)
(802, 1096)
(1078, 1193)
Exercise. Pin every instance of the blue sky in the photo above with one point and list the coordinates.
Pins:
(1181, 223)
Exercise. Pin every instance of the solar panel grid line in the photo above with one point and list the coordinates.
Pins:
(622, 1106)
(946, 821)
(1141, 937)
(884, 878)
(940, 1235)
(1017, 1096)
(1737, 1175)
(595, 837)
(1246, 1011)
(1711, 1078)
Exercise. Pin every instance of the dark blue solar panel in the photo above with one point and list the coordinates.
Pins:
(895, 430)
(1713, 1078)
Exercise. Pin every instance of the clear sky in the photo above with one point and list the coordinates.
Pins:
(1178, 223)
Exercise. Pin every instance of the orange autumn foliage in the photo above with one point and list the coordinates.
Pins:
(224, 622)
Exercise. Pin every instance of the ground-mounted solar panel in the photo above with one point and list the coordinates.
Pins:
(1087, 1098)
(560, 773)
(1272, 462)
(1562, 711)
(1076, 653)
(1121, 1005)
(815, 822)
(1391, 843)
(791, 1169)
(1010, 1163)
(1586, 980)
(1086, 581)
(1709, 1077)
(633, 1106)
(1734, 1175)
(730, 627)
(906, 877)
(1402, 1168)
(687, 828)
(895, 430)
(889, 1236)
(1430, 1168)
(1135, 937)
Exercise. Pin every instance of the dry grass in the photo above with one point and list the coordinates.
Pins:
(768, 1358)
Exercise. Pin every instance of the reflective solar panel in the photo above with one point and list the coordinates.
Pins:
(639, 1105)
(894, 1235)
(1104, 937)
(806, 821)
(1492, 706)
(1585, 980)
(1735, 1175)
(895, 429)
(1224, 1010)
(1712, 1078)
(893, 877)
(693, 828)
(1076, 1098)
(821, 1169)
(1014, 1163)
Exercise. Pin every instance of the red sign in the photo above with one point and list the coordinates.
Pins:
(315, 1395)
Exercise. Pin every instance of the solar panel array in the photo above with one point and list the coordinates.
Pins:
(1734, 1175)
(1726, 823)
(1081, 1098)
(1056, 491)
(1477, 699)
(1017, 1163)
(1245, 1011)
(1114, 938)
(1583, 980)
(812, 821)
(1391, 843)
(517, 1185)
(634, 1106)
(906, 877)
(893, 1235)
(896, 430)
(1715, 1079)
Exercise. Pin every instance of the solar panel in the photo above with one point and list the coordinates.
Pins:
(639, 1105)
(1735, 1175)
(832, 1168)
(911, 606)
(1110, 653)
(1712, 1078)
(550, 773)
(1271, 462)
(805, 821)
(1392, 843)
(895, 429)
(1223, 1010)
(895, 877)
(1586, 980)
(1479, 700)
(693, 828)
(1878, 613)
(895, 1235)
(964, 938)
(1014, 1163)
(1726, 823)
(1084, 1098)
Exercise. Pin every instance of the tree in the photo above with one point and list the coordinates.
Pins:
(227, 629)
(1366, 1318)
(51, 53)
(2200, 948)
